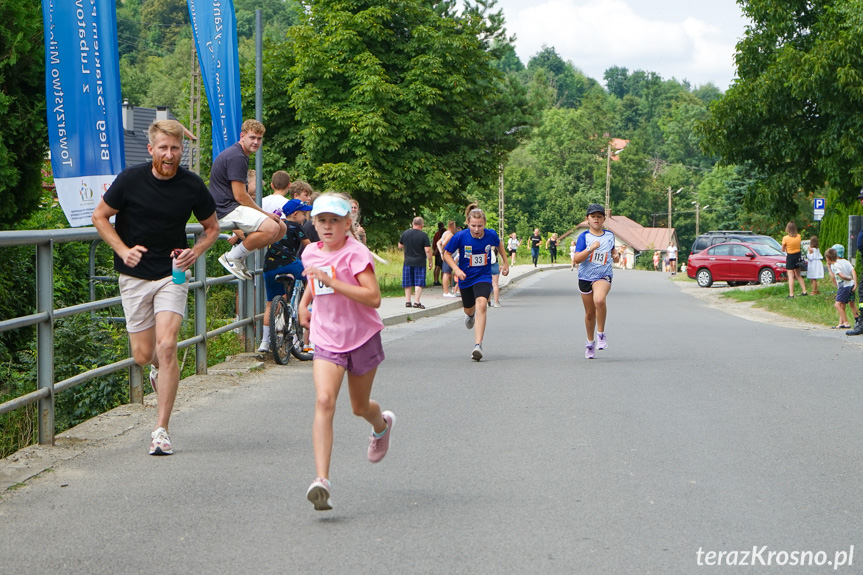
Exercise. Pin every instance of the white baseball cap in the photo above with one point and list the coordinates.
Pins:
(329, 204)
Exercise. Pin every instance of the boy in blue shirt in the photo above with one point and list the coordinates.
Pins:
(473, 270)
(595, 252)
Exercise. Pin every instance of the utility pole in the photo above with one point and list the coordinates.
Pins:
(608, 182)
(669, 206)
(500, 199)
(698, 209)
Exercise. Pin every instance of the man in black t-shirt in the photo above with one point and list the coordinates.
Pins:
(152, 203)
(235, 207)
(415, 242)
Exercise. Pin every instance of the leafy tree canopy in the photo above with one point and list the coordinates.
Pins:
(398, 103)
(795, 113)
(23, 130)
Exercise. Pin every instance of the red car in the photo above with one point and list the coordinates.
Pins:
(736, 263)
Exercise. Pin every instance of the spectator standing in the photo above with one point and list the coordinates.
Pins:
(235, 207)
(282, 257)
(417, 247)
(845, 279)
(446, 270)
(656, 260)
(535, 240)
(573, 265)
(152, 203)
(301, 190)
(858, 327)
(791, 246)
(551, 246)
(671, 251)
(280, 182)
(815, 267)
(438, 259)
(359, 231)
(512, 247)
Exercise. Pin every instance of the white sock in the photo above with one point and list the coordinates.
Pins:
(238, 252)
(266, 334)
(591, 343)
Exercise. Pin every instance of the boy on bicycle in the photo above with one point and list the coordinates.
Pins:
(282, 258)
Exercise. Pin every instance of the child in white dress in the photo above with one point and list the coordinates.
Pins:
(815, 269)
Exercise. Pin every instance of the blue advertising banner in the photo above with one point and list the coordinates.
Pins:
(82, 85)
(214, 26)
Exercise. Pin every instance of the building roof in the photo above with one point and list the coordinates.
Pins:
(136, 122)
(635, 235)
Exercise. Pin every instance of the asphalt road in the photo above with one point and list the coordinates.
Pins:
(695, 431)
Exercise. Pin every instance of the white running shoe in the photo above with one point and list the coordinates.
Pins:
(154, 377)
(236, 266)
(161, 443)
(469, 321)
(476, 354)
(601, 342)
(319, 494)
(264, 347)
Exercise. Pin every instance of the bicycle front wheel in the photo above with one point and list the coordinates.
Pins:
(297, 344)
(280, 334)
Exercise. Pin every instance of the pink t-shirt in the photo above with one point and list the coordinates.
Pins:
(340, 324)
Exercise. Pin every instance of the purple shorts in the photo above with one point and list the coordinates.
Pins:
(357, 361)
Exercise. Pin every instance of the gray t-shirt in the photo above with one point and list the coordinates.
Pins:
(232, 165)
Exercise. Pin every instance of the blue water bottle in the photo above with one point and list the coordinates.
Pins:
(177, 275)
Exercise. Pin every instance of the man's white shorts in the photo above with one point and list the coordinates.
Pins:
(244, 218)
(143, 299)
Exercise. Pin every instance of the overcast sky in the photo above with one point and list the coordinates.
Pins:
(684, 39)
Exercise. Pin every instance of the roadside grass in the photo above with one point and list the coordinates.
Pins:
(815, 309)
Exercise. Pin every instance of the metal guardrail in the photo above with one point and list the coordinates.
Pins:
(249, 310)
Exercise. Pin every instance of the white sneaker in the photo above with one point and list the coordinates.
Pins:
(476, 354)
(449, 295)
(469, 320)
(161, 443)
(236, 266)
(154, 377)
(319, 494)
(264, 347)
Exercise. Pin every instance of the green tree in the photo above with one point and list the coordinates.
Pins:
(23, 130)
(796, 111)
(398, 102)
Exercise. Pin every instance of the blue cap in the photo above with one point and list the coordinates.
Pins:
(295, 205)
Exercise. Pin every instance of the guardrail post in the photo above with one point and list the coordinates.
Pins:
(136, 384)
(248, 304)
(45, 339)
(201, 314)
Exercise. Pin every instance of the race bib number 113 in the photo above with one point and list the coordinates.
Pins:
(599, 258)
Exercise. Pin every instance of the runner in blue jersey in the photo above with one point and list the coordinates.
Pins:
(595, 253)
(473, 270)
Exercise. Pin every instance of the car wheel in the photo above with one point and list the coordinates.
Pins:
(766, 276)
(704, 278)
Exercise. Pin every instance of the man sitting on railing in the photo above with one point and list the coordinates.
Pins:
(153, 202)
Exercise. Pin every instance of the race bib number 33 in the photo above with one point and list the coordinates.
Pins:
(478, 260)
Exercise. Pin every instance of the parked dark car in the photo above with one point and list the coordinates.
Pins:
(736, 263)
(708, 239)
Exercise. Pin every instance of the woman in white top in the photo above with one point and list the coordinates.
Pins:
(814, 269)
(512, 246)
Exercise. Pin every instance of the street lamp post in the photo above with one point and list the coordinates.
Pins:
(698, 209)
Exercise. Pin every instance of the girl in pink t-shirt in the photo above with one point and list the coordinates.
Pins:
(345, 328)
